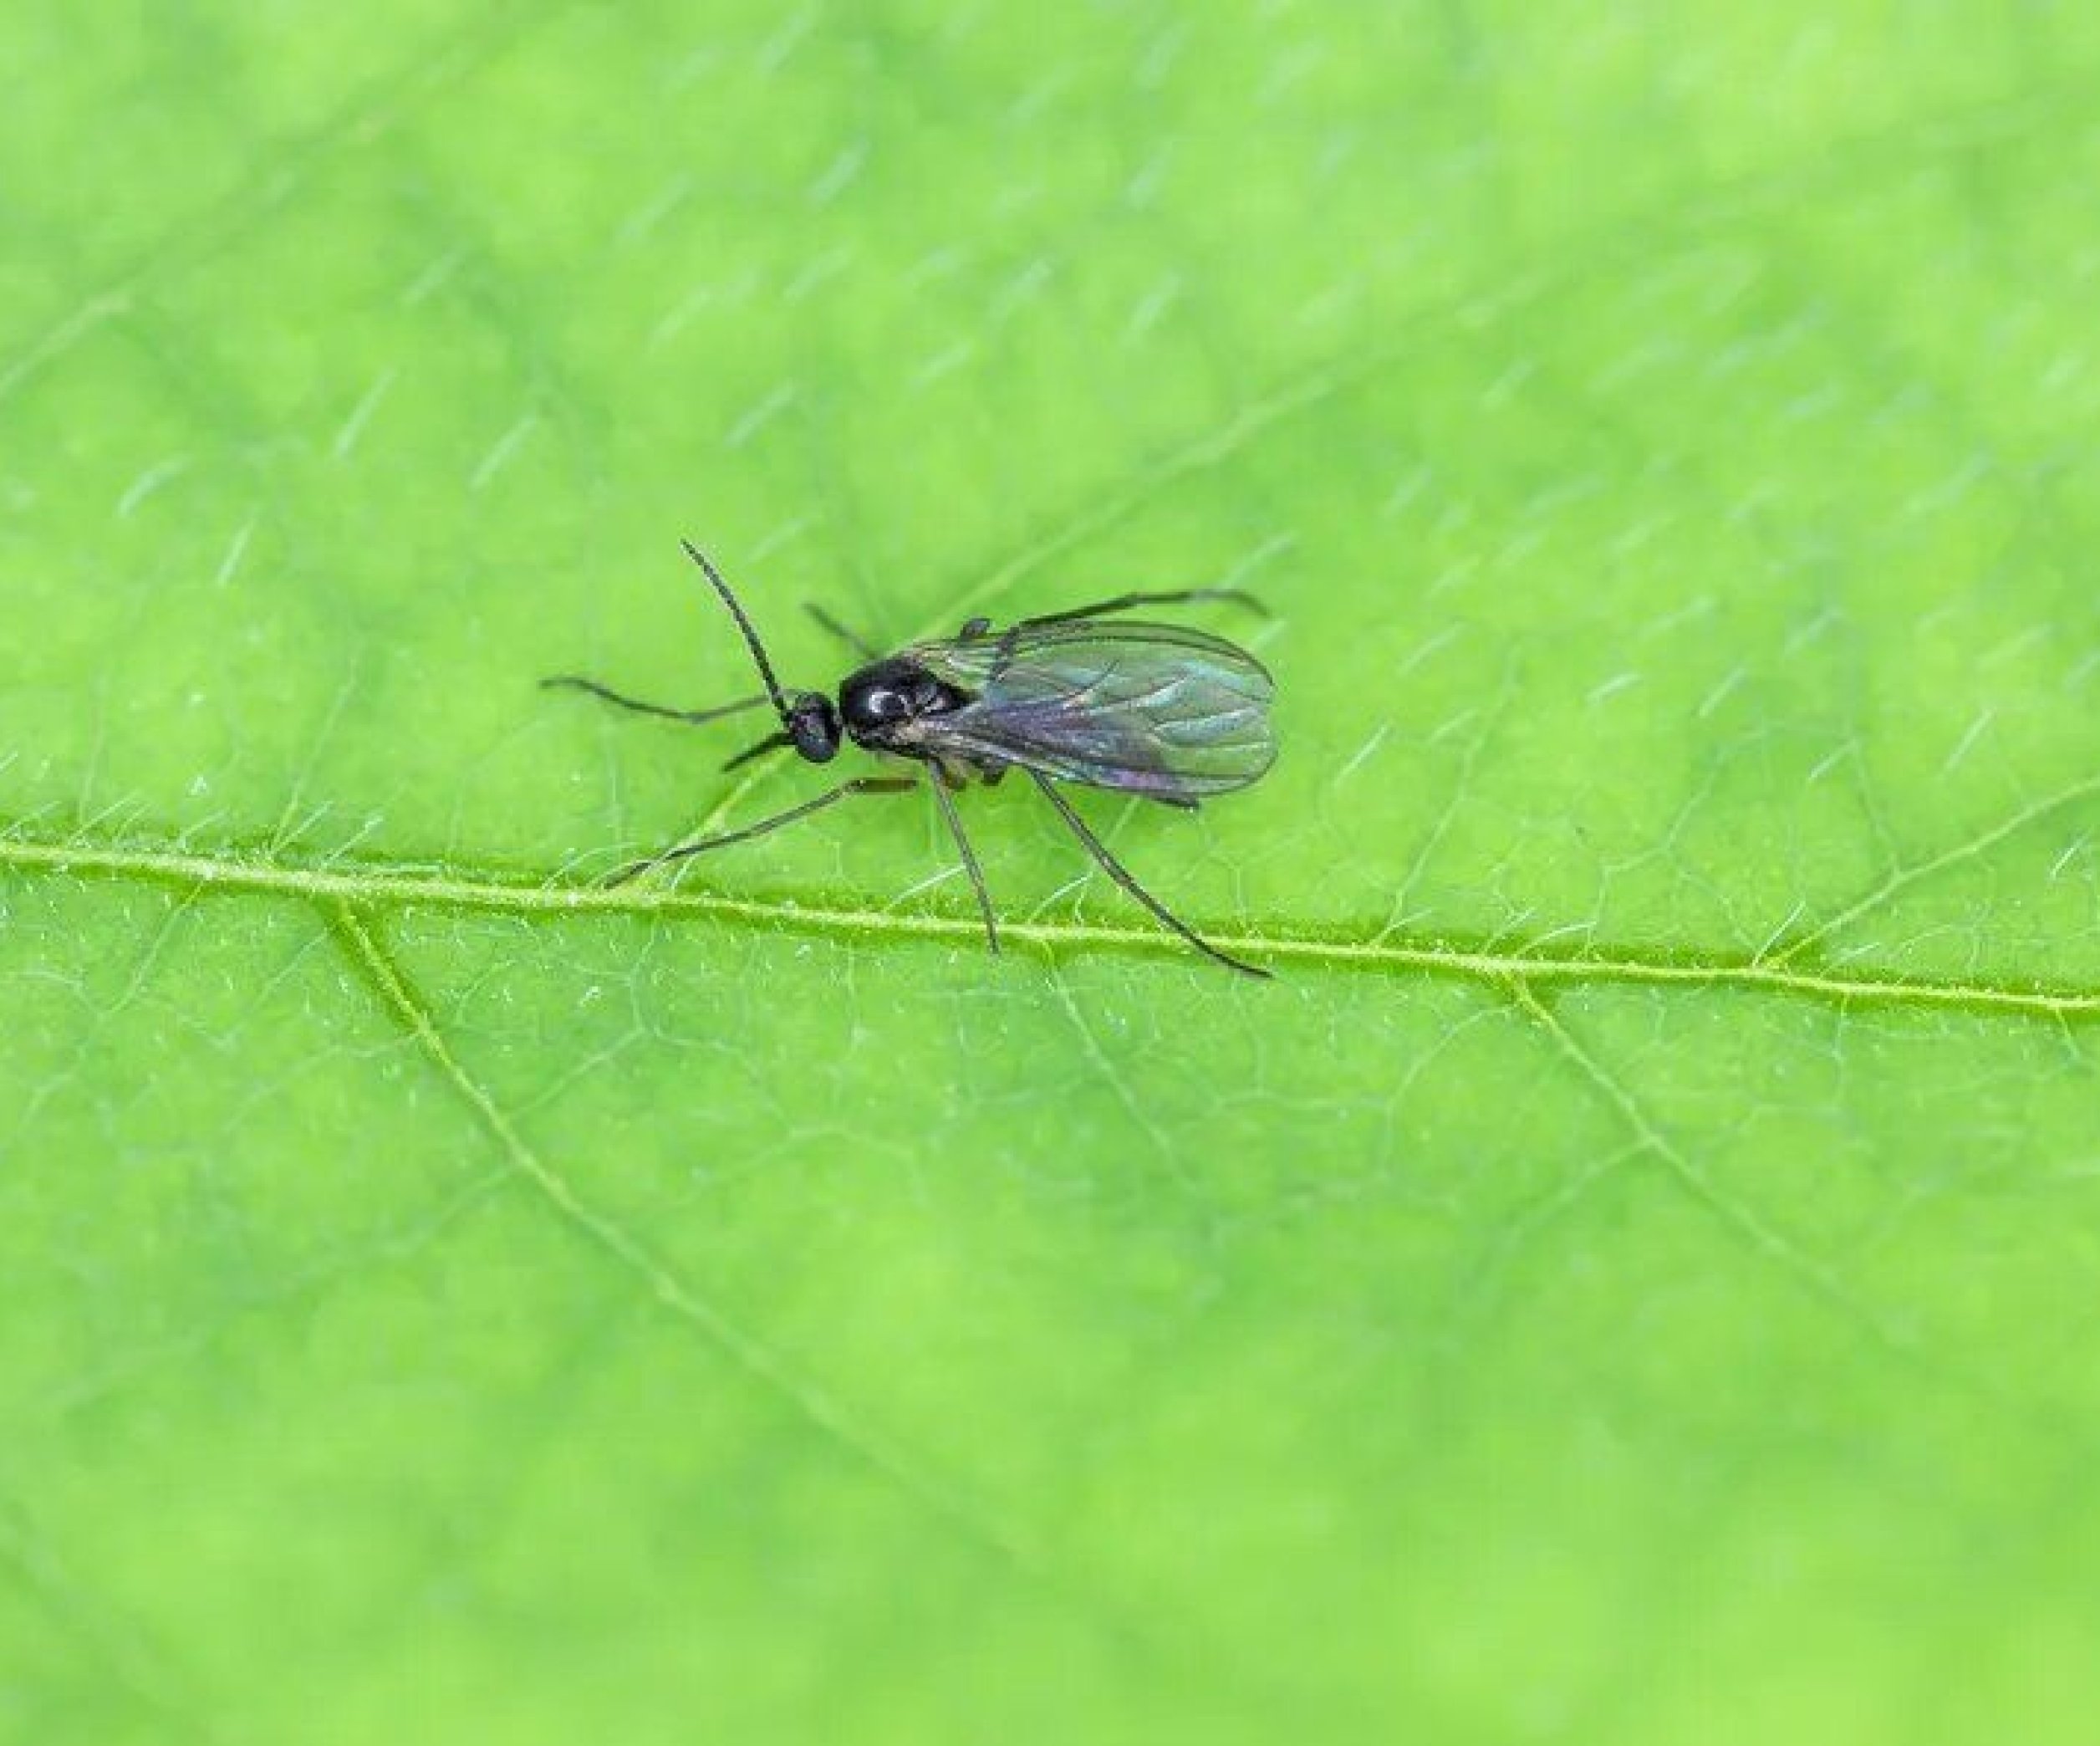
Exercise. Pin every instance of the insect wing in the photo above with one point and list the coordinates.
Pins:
(1149, 709)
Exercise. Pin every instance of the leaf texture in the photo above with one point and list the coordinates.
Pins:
(1629, 1279)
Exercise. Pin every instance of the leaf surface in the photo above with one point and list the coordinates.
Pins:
(1631, 1278)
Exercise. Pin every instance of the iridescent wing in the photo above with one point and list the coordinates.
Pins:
(1149, 709)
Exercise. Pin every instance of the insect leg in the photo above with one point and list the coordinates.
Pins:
(859, 645)
(1170, 597)
(939, 787)
(574, 681)
(771, 742)
(1122, 875)
(858, 785)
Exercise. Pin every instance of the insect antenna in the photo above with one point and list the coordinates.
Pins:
(751, 636)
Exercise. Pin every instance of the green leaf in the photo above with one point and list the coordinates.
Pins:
(1632, 1278)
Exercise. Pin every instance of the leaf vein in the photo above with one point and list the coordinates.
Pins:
(1761, 1239)
(811, 1401)
(403, 887)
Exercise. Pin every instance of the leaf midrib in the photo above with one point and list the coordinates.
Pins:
(396, 886)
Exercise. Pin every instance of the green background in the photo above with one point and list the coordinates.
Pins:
(1632, 1278)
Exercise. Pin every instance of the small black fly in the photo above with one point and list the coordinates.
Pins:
(1160, 711)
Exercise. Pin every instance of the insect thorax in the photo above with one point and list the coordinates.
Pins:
(883, 703)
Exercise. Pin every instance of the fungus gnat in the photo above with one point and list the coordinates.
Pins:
(1158, 711)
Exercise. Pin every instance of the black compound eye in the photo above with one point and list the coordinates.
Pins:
(813, 728)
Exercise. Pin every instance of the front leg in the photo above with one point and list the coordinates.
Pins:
(858, 785)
